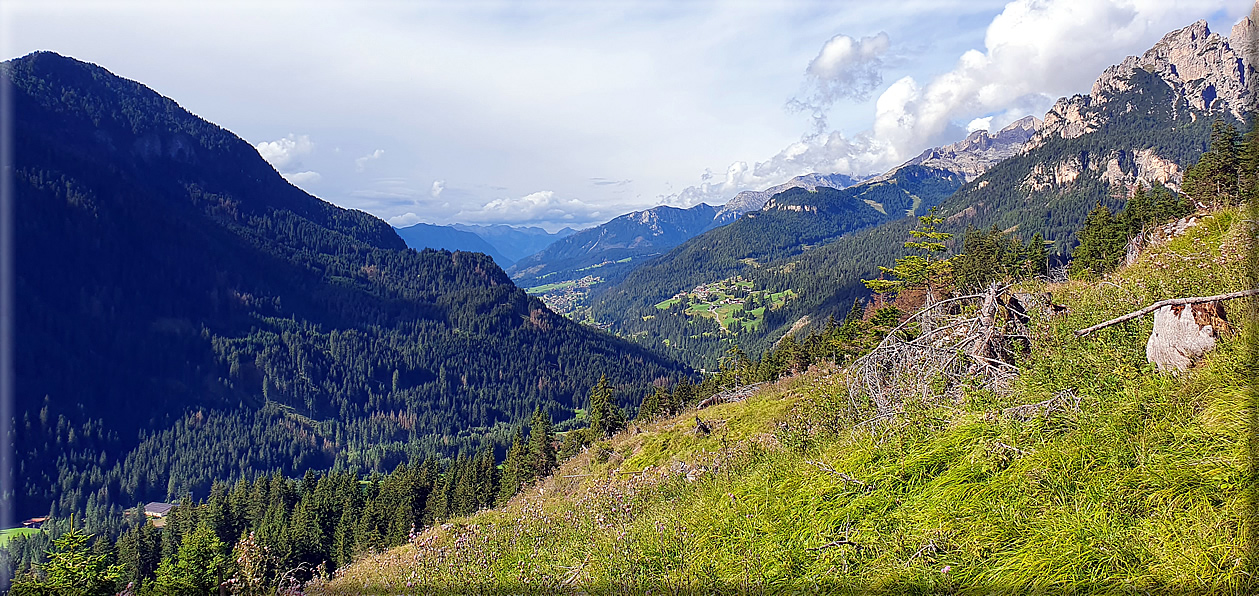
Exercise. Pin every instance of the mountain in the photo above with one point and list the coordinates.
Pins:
(616, 246)
(961, 490)
(1146, 120)
(185, 315)
(515, 242)
(753, 200)
(980, 150)
(792, 221)
(606, 253)
(421, 236)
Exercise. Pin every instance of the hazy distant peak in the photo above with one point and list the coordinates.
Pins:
(755, 200)
(979, 151)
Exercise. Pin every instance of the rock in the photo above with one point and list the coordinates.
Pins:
(1211, 73)
(1206, 73)
(972, 156)
(1182, 334)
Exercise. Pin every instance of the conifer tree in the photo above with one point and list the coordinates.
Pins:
(72, 569)
(515, 472)
(605, 417)
(541, 444)
(1101, 243)
(1214, 179)
(916, 270)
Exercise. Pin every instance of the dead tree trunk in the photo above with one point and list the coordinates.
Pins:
(983, 352)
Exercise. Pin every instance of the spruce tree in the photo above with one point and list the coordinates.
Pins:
(514, 469)
(605, 417)
(541, 443)
(1102, 241)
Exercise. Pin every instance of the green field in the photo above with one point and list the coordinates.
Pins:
(725, 299)
(6, 535)
(544, 288)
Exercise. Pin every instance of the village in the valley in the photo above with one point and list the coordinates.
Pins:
(732, 302)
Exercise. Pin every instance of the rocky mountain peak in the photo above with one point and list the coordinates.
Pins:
(755, 200)
(1213, 74)
(979, 151)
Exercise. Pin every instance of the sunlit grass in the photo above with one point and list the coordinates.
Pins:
(1144, 489)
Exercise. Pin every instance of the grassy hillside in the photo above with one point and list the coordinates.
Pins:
(1137, 482)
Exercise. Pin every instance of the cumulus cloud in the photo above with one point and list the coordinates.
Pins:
(281, 153)
(360, 163)
(404, 220)
(438, 187)
(979, 124)
(300, 178)
(1034, 51)
(542, 207)
(845, 68)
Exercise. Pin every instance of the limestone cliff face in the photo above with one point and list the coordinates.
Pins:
(1206, 74)
(979, 151)
(1212, 74)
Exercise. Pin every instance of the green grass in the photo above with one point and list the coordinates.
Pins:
(542, 289)
(1145, 489)
(724, 313)
(10, 533)
(668, 303)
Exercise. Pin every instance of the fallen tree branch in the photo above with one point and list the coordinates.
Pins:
(842, 476)
(1169, 302)
(834, 544)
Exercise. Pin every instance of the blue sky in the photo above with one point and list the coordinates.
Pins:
(571, 113)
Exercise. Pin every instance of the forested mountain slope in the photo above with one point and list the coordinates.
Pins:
(1142, 123)
(184, 314)
(614, 247)
(1088, 471)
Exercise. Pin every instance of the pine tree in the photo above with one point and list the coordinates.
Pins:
(515, 473)
(541, 444)
(1214, 179)
(72, 569)
(1101, 246)
(605, 417)
(917, 270)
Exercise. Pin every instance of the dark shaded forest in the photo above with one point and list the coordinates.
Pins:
(186, 316)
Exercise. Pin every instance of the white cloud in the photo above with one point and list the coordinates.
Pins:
(360, 163)
(300, 178)
(845, 68)
(438, 187)
(404, 220)
(542, 207)
(1034, 51)
(979, 124)
(282, 152)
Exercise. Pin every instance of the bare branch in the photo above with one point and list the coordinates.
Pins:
(1168, 302)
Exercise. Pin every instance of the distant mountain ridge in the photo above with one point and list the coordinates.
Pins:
(754, 200)
(422, 235)
(979, 151)
(515, 242)
(627, 238)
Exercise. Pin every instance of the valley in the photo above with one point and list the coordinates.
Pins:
(934, 377)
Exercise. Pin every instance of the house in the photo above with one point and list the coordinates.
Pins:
(158, 510)
(34, 522)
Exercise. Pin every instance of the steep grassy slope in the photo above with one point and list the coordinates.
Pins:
(1141, 484)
